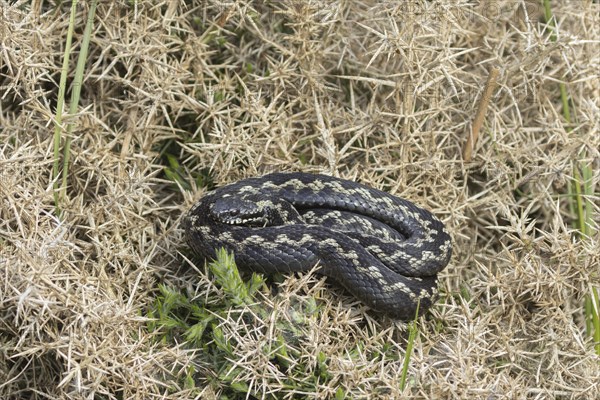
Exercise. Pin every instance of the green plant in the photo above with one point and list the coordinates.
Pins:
(60, 190)
(581, 191)
(250, 345)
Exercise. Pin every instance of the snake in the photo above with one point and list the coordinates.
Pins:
(382, 249)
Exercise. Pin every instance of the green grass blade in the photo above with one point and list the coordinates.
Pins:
(61, 101)
(580, 194)
(77, 82)
(595, 317)
(412, 334)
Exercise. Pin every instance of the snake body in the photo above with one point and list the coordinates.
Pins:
(384, 250)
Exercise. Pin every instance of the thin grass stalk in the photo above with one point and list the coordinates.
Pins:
(592, 301)
(60, 104)
(413, 329)
(77, 82)
(579, 199)
(595, 313)
(588, 193)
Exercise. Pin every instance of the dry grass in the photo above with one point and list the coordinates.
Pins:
(379, 91)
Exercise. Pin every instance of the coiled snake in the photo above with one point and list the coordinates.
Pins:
(384, 250)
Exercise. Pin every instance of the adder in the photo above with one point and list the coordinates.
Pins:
(383, 249)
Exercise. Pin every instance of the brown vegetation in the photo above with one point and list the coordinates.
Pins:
(383, 92)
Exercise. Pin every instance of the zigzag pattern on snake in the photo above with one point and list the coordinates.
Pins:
(384, 250)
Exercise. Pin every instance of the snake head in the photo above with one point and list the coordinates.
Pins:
(253, 212)
(235, 211)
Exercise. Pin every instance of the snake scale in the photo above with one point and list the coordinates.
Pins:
(384, 250)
